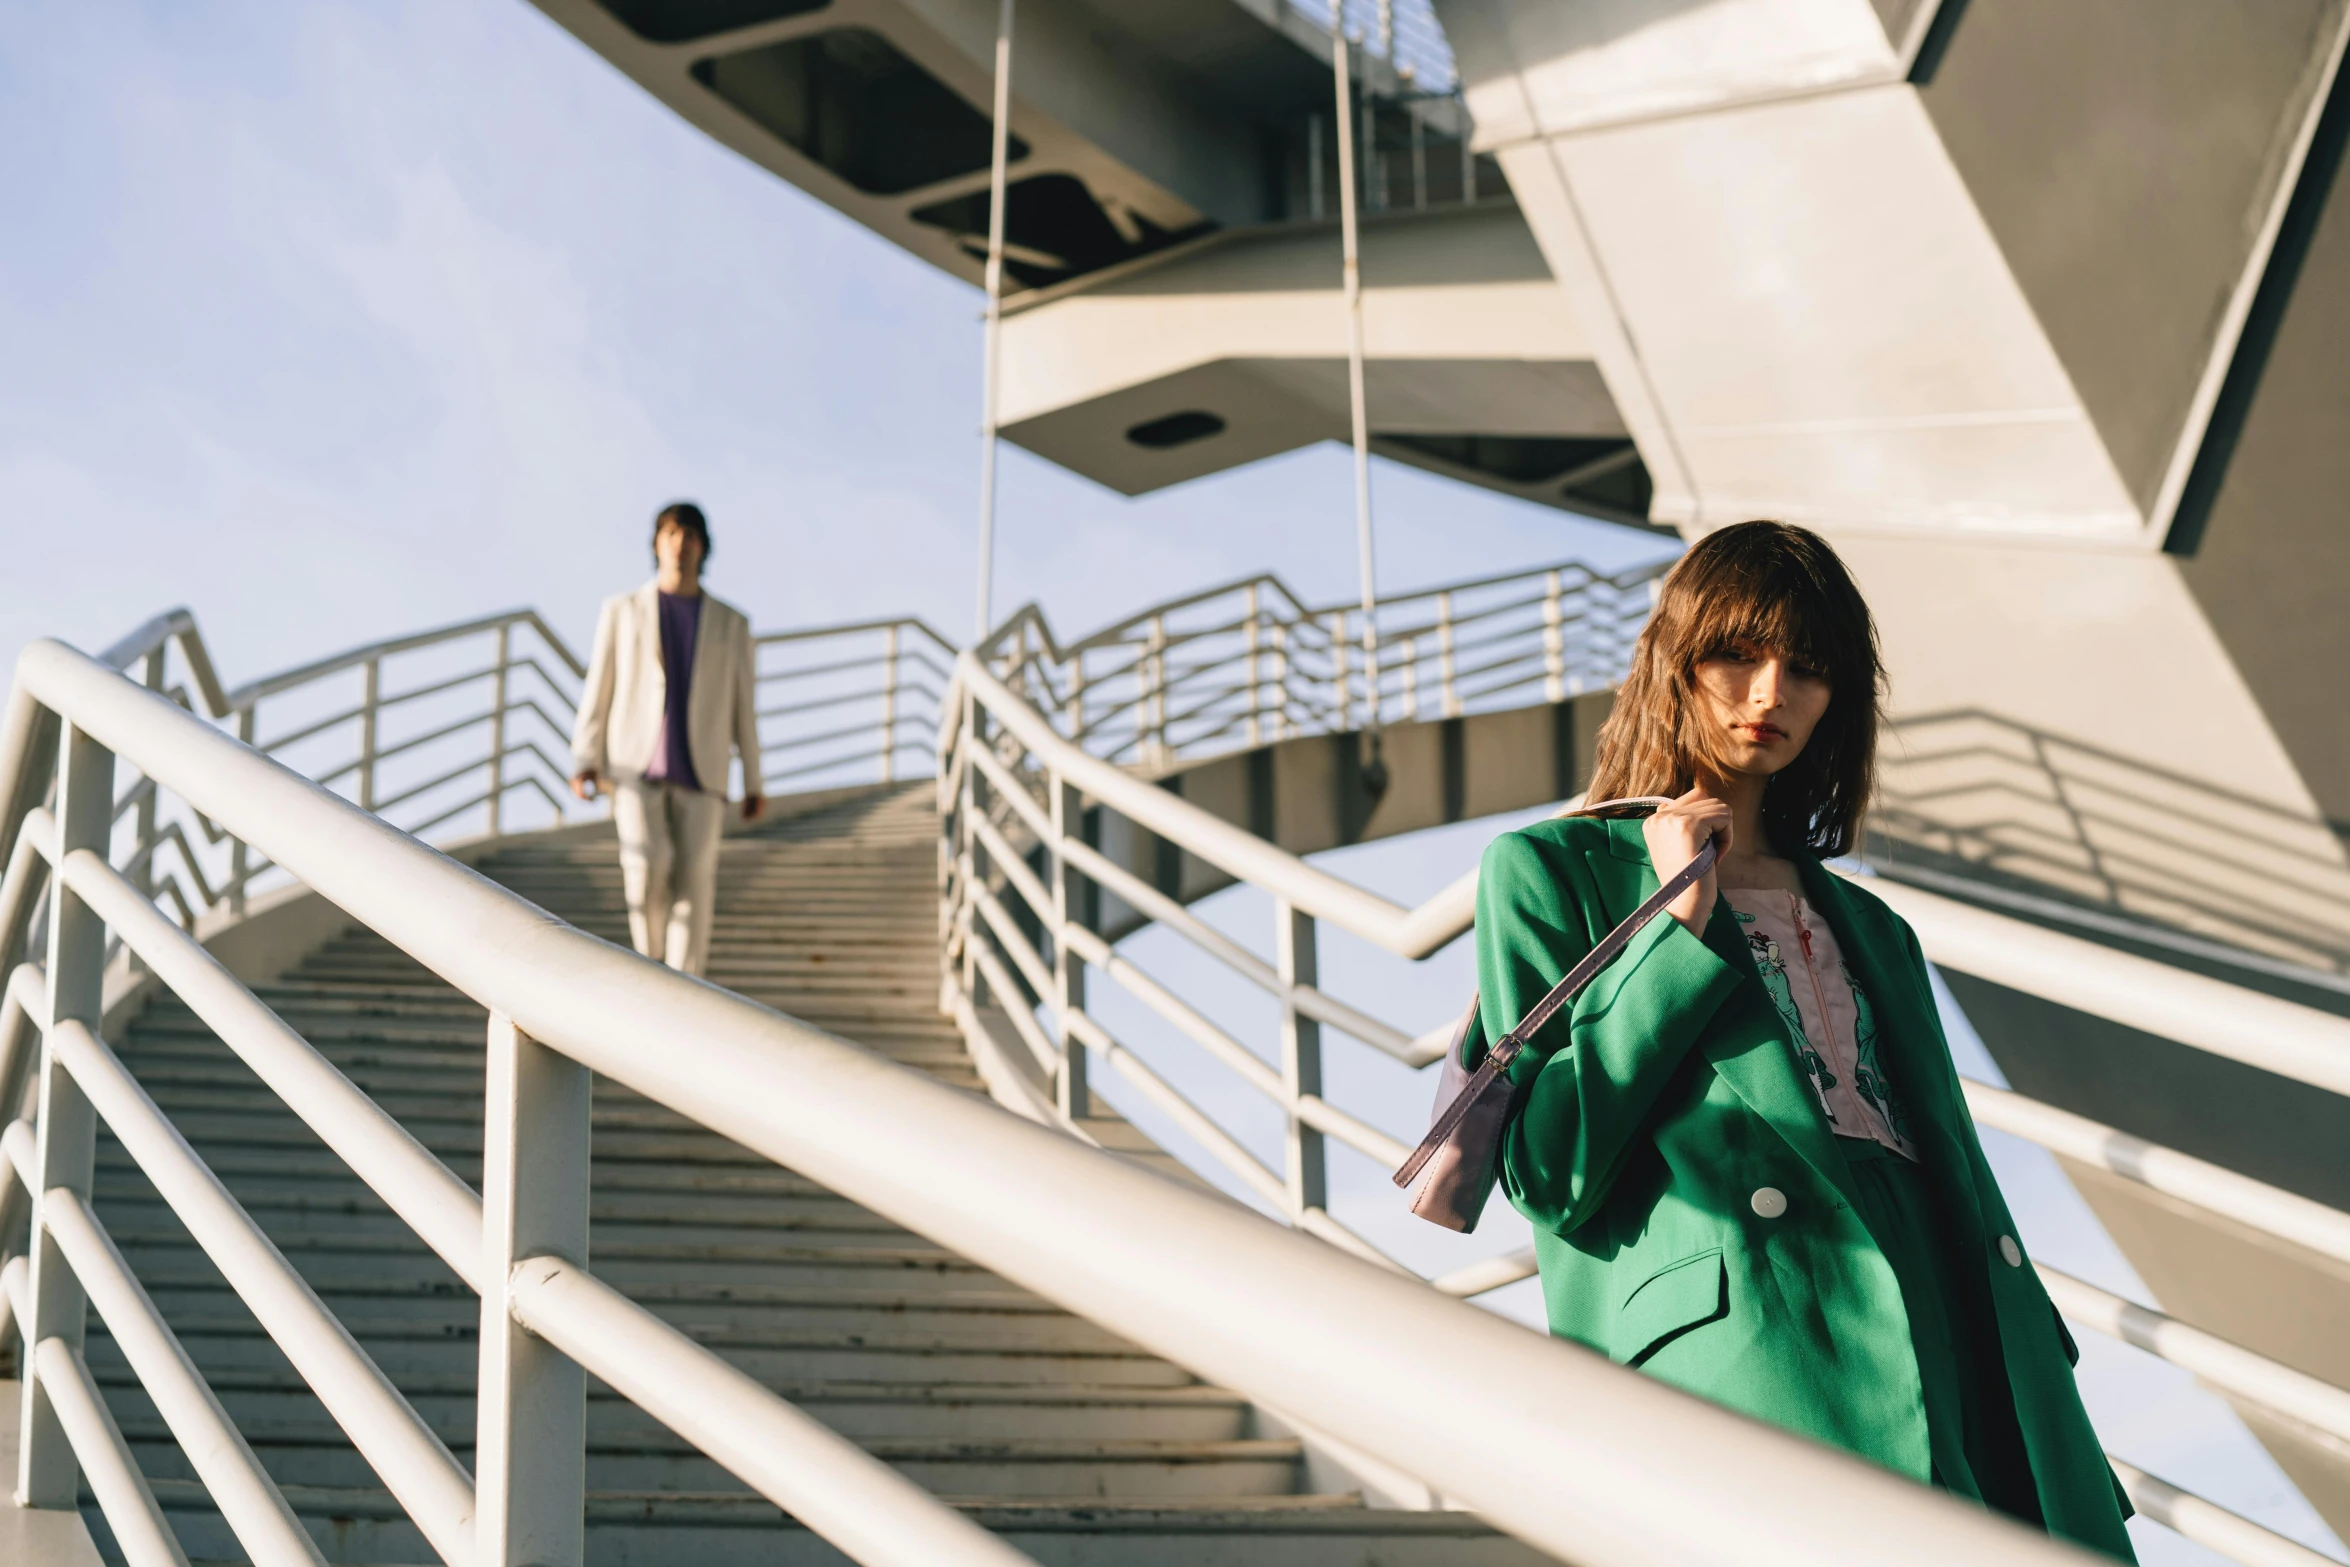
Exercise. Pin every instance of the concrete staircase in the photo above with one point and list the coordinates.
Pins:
(1079, 1446)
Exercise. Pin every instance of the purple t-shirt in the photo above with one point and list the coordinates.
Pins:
(673, 758)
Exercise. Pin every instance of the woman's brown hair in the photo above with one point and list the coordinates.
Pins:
(1775, 589)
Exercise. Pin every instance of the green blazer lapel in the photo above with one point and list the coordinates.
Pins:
(1747, 1043)
(1908, 1030)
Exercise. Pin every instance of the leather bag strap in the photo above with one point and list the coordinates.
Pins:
(1505, 1049)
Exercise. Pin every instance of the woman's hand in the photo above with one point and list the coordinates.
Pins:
(1675, 834)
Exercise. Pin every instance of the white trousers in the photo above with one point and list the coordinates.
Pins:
(669, 868)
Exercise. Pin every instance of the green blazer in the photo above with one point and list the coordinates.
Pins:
(1655, 1109)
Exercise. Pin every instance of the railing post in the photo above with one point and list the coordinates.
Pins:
(1340, 650)
(967, 851)
(498, 730)
(889, 703)
(239, 860)
(1074, 714)
(1306, 1164)
(1154, 695)
(1256, 672)
(145, 879)
(66, 1148)
(1280, 680)
(1410, 671)
(1468, 151)
(1314, 166)
(367, 700)
(1419, 163)
(530, 1461)
(1074, 1093)
(1554, 648)
(1449, 698)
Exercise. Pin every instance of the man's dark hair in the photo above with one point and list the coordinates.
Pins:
(687, 516)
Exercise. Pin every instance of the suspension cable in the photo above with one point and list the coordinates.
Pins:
(1352, 275)
(999, 159)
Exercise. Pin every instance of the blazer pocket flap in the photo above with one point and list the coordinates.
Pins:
(1688, 1294)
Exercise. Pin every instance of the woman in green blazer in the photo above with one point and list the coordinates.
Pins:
(1744, 1152)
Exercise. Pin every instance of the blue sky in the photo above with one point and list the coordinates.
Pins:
(333, 321)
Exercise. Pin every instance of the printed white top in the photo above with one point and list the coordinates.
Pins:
(1828, 1016)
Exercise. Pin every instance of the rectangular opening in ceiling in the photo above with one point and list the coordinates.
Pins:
(682, 21)
(1055, 228)
(849, 100)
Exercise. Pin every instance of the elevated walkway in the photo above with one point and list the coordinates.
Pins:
(405, 1219)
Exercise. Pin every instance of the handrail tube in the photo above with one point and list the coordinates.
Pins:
(2231, 1368)
(1225, 1148)
(844, 759)
(1319, 1223)
(1194, 1024)
(249, 1501)
(2255, 1204)
(28, 745)
(1493, 1273)
(512, 784)
(426, 1194)
(1361, 1136)
(848, 732)
(1234, 850)
(2279, 1036)
(352, 658)
(991, 968)
(1167, 911)
(20, 1027)
(1014, 868)
(872, 1513)
(818, 704)
(15, 1290)
(1465, 1402)
(155, 636)
(16, 1171)
(839, 666)
(123, 1493)
(847, 628)
(414, 1465)
(2283, 1037)
(472, 765)
(1012, 943)
(2210, 1525)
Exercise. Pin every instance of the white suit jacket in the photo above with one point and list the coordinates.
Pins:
(619, 720)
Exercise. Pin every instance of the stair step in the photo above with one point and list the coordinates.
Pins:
(1082, 1448)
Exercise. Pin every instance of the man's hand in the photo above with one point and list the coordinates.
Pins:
(752, 806)
(1675, 834)
(584, 784)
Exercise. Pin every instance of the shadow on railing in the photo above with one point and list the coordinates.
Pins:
(1980, 795)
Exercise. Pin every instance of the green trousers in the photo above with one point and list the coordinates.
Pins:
(1977, 1447)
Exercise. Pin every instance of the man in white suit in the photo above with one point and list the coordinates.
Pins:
(669, 702)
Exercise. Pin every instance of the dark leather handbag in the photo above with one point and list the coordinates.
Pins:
(1461, 1154)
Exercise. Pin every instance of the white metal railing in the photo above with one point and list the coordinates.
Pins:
(437, 731)
(852, 703)
(1015, 864)
(1187, 679)
(442, 731)
(1248, 663)
(1464, 1402)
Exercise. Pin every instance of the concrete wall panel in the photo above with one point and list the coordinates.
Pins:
(2126, 155)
